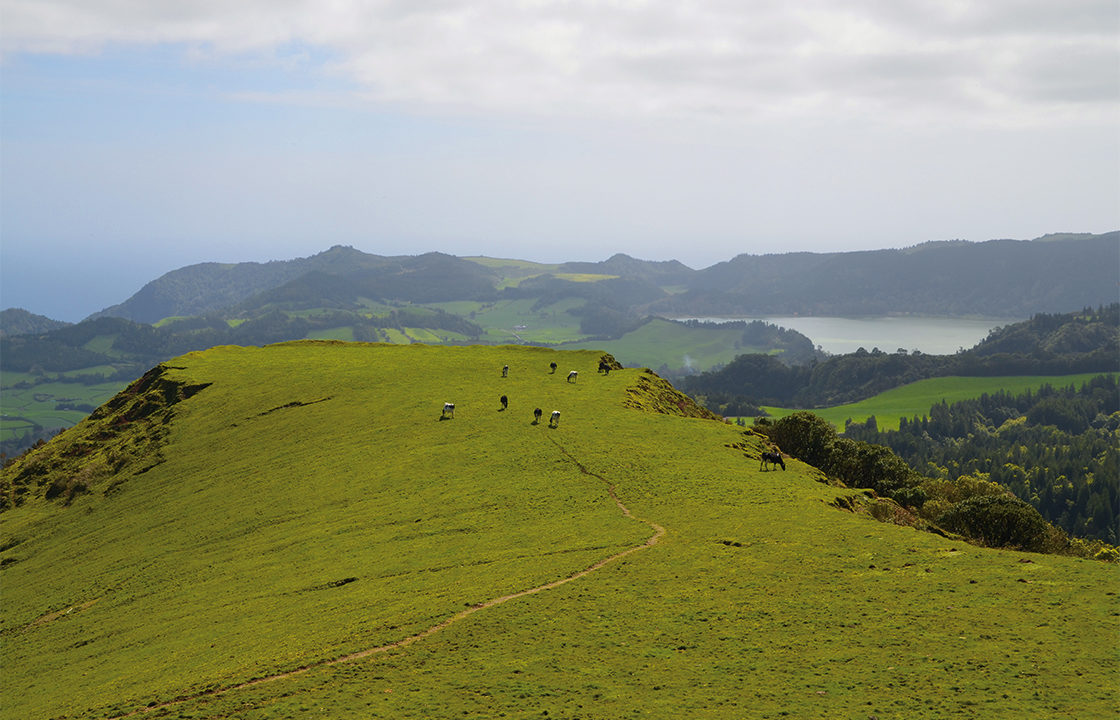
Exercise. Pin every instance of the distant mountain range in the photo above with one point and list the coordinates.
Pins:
(999, 278)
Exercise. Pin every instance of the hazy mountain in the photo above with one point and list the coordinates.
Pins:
(1009, 278)
(206, 287)
(17, 321)
(432, 277)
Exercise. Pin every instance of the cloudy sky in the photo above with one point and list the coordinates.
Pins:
(139, 136)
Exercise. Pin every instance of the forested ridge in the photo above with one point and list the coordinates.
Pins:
(1001, 278)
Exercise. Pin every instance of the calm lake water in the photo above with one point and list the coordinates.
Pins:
(931, 335)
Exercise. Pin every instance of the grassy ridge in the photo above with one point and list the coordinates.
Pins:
(304, 465)
(915, 399)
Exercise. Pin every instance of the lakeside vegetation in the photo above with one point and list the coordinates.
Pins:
(265, 510)
(1048, 344)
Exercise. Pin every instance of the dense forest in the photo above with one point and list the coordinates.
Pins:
(1058, 449)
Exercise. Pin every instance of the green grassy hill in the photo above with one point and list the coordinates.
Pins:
(299, 515)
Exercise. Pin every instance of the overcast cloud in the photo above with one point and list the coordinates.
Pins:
(176, 132)
(997, 61)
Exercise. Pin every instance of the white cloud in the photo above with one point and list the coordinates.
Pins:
(1000, 62)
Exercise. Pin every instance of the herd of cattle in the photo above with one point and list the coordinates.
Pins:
(554, 420)
(768, 458)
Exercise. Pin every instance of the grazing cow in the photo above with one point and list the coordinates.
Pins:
(448, 411)
(504, 401)
(537, 416)
(552, 366)
(505, 371)
(573, 375)
(604, 368)
(554, 421)
(772, 458)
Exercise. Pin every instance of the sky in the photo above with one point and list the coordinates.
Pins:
(140, 136)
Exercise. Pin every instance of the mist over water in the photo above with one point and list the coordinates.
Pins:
(839, 335)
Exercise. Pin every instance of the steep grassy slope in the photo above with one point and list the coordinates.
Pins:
(300, 503)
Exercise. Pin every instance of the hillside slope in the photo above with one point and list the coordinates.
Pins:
(243, 513)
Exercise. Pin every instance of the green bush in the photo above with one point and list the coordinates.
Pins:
(999, 521)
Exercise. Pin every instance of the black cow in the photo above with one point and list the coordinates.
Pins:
(772, 458)
(537, 416)
(504, 401)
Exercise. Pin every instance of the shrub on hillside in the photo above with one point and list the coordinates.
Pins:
(1001, 521)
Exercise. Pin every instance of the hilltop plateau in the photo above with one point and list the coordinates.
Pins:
(293, 531)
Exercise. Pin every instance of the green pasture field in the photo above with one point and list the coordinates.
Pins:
(915, 399)
(169, 319)
(501, 319)
(676, 345)
(102, 344)
(584, 277)
(309, 505)
(396, 336)
(23, 408)
(423, 335)
(512, 272)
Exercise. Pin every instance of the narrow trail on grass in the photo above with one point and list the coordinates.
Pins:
(658, 533)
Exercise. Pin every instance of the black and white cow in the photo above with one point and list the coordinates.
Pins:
(505, 371)
(448, 411)
(573, 375)
(554, 421)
